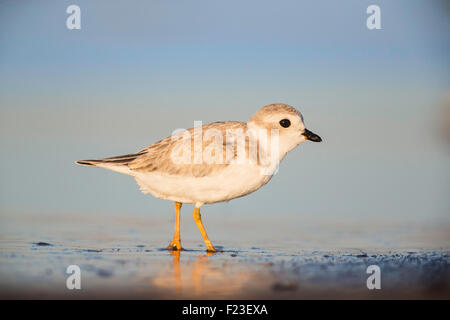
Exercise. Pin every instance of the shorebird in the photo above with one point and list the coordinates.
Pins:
(213, 163)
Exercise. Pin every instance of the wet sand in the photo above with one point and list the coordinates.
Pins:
(124, 258)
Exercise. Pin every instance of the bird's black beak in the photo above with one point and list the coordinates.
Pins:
(311, 136)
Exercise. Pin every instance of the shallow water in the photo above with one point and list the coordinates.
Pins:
(125, 258)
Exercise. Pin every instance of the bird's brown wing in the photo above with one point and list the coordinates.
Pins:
(178, 154)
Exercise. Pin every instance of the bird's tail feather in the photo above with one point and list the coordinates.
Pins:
(118, 163)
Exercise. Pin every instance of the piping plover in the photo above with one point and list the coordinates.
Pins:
(215, 162)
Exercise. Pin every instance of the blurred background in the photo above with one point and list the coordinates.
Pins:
(137, 70)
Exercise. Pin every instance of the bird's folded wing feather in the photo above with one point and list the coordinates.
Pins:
(166, 156)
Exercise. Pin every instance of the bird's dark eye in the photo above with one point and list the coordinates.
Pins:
(285, 123)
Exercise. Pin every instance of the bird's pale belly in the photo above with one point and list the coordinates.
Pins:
(229, 183)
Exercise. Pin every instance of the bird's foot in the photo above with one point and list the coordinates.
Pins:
(175, 245)
(210, 247)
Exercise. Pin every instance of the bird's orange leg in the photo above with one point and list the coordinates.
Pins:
(198, 221)
(175, 244)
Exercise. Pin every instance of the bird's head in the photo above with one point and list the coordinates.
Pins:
(284, 120)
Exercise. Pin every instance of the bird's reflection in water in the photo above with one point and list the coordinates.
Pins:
(176, 270)
(198, 276)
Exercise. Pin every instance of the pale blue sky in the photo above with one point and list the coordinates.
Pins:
(137, 70)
